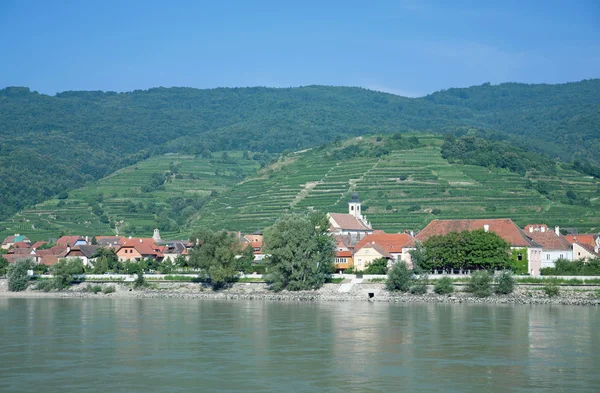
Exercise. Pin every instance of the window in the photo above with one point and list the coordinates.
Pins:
(547, 256)
(561, 256)
(520, 257)
(351, 207)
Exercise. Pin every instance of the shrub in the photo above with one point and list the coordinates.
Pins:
(436, 211)
(413, 208)
(377, 266)
(17, 275)
(45, 285)
(480, 284)
(109, 289)
(420, 287)
(505, 283)
(399, 278)
(140, 281)
(551, 289)
(92, 288)
(443, 286)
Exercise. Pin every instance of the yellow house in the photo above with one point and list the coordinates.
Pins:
(367, 254)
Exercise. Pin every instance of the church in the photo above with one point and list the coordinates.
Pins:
(353, 226)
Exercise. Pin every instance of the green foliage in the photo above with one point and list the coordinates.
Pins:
(92, 288)
(106, 260)
(551, 289)
(420, 285)
(3, 266)
(519, 261)
(564, 267)
(480, 284)
(17, 274)
(140, 281)
(443, 286)
(300, 252)
(64, 270)
(499, 154)
(377, 266)
(214, 255)
(114, 130)
(466, 250)
(399, 278)
(505, 283)
(108, 289)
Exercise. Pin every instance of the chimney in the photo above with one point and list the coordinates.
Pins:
(68, 249)
(543, 228)
(530, 229)
(486, 228)
(130, 236)
(141, 240)
(557, 231)
(86, 239)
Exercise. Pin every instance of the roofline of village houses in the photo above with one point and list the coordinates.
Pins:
(358, 243)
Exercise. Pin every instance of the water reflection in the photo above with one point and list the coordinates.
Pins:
(180, 345)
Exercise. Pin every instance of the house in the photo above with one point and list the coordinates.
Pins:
(585, 246)
(136, 249)
(174, 248)
(344, 258)
(83, 252)
(50, 256)
(110, 241)
(71, 241)
(39, 244)
(554, 245)
(353, 224)
(256, 242)
(367, 253)
(503, 227)
(394, 243)
(11, 240)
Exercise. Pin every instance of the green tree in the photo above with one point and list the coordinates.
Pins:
(105, 260)
(64, 271)
(377, 266)
(400, 278)
(17, 274)
(245, 260)
(419, 258)
(214, 254)
(300, 252)
(140, 281)
(3, 266)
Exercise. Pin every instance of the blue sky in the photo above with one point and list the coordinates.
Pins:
(408, 47)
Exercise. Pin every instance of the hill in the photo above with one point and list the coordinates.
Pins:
(158, 192)
(406, 188)
(403, 180)
(52, 144)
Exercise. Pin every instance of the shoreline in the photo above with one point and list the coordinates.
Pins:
(366, 292)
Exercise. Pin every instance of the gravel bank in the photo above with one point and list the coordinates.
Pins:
(360, 292)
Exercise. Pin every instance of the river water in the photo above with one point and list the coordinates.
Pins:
(171, 345)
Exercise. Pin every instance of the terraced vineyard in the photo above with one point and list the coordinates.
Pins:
(123, 189)
(403, 191)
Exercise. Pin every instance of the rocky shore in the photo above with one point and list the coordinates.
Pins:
(371, 292)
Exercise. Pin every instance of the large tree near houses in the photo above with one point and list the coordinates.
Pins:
(300, 252)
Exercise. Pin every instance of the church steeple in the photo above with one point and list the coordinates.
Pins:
(354, 207)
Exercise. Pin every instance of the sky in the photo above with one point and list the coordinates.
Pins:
(405, 47)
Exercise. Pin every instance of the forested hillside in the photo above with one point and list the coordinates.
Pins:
(51, 144)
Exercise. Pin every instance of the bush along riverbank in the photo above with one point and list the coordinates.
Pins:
(366, 291)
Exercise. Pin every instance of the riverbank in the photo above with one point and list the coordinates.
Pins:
(364, 292)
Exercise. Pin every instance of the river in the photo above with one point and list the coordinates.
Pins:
(175, 345)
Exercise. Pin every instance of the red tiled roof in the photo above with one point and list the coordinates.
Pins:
(68, 240)
(21, 245)
(392, 242)
(20, 251)
(56, 250)
(549, 240)
(503, 227)
(145, 246)
(37, 245)
(343, 254)
(348, 221)
(14, 257)
(589, 239)
(49, 260)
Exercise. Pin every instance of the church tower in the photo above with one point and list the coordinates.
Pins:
(354, 207)
(156, 236)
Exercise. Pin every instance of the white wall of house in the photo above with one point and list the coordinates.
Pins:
(549, 257)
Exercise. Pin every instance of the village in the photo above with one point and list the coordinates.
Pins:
(358, 244)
